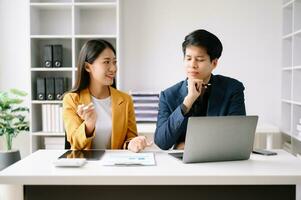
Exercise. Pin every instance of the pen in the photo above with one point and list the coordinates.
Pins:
(204, 85)
(88, 106)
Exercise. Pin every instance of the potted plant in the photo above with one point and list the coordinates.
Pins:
(12, 122)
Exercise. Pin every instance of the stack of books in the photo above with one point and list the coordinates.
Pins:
(52, 118)
(299, 128)
(146, 106)
(54, 143)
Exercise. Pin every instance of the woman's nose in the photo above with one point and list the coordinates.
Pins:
(113, 68)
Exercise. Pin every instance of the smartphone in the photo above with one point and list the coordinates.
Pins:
(264, 152)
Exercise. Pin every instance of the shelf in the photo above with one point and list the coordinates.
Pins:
(51, 36)
(291, 102)
(46, 102)
(297, 137)
(286, 84)
(297, 15)
(286, 117)
(95, 36)
(287, 52)
(287, 20)
(53, 5)
(297, 85)
(287, 36)
(96, 4)
(37, 48)
(100, 19)
(298, 103)
(297, 32)
(95, 1)
(297, 50)
(50, 1)
(47, 134)
(287, 3)
(286, 101)
(51, 20)
(296, 120)
(36, 74)
(40, 69)
(291, 68)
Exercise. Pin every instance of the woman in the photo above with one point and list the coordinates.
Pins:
(97, 116)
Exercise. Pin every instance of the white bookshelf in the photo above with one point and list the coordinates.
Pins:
(70, 23)
(291, 68)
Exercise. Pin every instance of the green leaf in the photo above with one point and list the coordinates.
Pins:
(15, 101)
(20, 109)
(18, 92)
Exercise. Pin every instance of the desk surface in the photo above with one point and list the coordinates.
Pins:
(37, 169)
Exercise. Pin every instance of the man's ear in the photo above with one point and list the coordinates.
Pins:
(88, 67)
(214, 63)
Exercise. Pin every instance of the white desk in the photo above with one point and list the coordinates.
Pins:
(278, 173)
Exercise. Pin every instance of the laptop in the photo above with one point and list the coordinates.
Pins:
(223, 138)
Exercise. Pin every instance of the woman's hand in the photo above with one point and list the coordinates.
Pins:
(88, 114)
(138, 143)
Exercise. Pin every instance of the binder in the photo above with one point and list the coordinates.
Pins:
(57, 55)
(50, 88)
(60, 87)
(41, 93)
(47, 56)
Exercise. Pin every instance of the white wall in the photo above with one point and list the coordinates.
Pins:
(14, 47)
(153, 31)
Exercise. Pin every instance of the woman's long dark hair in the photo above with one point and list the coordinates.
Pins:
(89, 53)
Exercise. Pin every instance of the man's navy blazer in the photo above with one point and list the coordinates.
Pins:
(226, 98)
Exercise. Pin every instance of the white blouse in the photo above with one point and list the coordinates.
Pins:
(103, 126)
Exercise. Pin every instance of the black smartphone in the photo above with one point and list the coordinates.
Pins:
(264, 152)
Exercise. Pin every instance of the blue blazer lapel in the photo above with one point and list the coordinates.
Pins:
(183, 91)
(215, 101)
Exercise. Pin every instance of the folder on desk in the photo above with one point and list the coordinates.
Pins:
(129, 159)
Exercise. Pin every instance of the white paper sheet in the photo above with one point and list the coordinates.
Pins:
(129, 159)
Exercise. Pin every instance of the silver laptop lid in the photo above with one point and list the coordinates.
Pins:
(219, 138)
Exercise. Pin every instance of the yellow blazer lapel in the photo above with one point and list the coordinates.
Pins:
(118, 119)
(85, 97)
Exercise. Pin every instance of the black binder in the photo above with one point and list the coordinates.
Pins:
(57, 55)
(50, 88)
(41, 94)
(47, 56)
(60, 85)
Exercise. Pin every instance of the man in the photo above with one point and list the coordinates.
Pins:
(201, 94)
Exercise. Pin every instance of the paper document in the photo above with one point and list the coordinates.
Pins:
(128, 159)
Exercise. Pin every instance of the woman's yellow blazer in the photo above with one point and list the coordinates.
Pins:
(123, 119)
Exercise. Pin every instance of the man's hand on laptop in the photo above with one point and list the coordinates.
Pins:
(180, 146)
